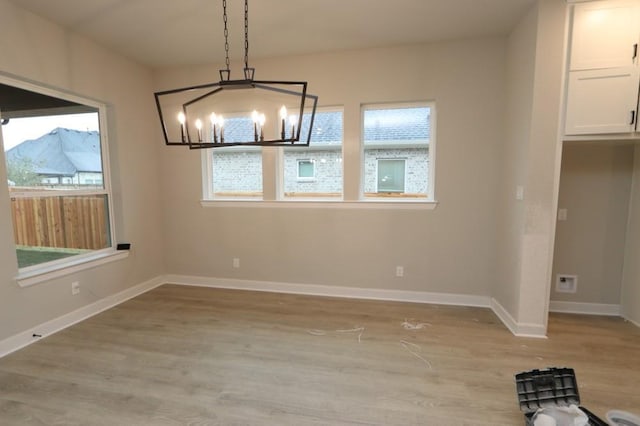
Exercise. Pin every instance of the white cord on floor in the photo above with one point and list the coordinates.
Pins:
(409, 345)
(351, 330)
(417, 326)
(359, 330)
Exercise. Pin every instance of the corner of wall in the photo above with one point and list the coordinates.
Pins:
(518, 329)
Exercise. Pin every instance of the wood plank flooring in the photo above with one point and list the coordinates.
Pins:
(197, 356)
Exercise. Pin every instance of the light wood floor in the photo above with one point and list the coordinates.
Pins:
(198, 356)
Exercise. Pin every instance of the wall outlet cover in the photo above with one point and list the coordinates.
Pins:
(566, 283)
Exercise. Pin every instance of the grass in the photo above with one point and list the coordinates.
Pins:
(29, 256)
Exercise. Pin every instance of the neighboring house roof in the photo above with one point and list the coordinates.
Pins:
(399, 124)
(409, 125)
(238, 129)
(61, 152)
(327, 128)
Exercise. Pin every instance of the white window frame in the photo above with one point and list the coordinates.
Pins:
(311, 178)
(352, 171)
(430, 200)
(208, 164)
(310, 199)
(404, 175)
(34, 274)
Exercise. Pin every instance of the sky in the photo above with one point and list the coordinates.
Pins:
(21, 129)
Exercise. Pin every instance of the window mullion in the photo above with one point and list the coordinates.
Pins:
(269, 174)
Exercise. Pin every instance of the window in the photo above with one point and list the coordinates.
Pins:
(237, 170)
(315, 172)
(398, 147)
(397, 160)
(306, 170)
(391, 177)
(57, 175)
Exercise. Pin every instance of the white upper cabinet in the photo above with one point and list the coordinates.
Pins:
(604, 70)
(602, 101)
(605, 35)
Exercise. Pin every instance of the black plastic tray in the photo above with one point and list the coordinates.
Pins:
(550, 388)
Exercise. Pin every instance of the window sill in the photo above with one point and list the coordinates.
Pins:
(329, 204)
(45, 273)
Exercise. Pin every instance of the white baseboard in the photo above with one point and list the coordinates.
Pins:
(637, 324)
(585, 308)
(521, 330)
(26, 337)
(333, 291)
(518, 329)
(20, 340)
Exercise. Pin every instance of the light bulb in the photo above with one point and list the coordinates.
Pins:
(283, 112)
(199, 124)
(181, 118)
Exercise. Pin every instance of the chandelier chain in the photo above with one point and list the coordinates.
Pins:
(226, 33)
(246, 33)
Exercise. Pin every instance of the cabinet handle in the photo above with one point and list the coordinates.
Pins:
(635, 51)
(633, 118)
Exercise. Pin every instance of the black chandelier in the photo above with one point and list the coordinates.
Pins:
(237, 112)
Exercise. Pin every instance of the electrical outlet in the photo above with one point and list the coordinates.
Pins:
(400, 271)
(236, 262)
(566, 283)
(75, 288)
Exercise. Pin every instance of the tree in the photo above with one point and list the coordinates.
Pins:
(21, 171)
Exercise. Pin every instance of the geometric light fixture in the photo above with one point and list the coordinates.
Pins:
(237, 112)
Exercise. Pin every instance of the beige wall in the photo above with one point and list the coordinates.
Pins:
(450, 249)
(34, 49)
(595, 186)
(631, 275)
(532, 159)
(520, 67)
(543, 164)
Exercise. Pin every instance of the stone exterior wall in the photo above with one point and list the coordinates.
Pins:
(241, 171)
(237, 172)
(328, 172)
(416, 168)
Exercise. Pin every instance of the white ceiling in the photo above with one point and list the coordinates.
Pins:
(163, 33)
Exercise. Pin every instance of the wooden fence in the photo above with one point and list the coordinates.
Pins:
(79, 222)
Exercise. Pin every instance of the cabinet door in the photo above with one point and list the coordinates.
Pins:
(602, 101)
(605, 34)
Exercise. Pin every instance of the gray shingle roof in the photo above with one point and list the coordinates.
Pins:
(397, 124)
(380, 125)
(327, 128)
(393, 124)
(61, 152)
(238, 129)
